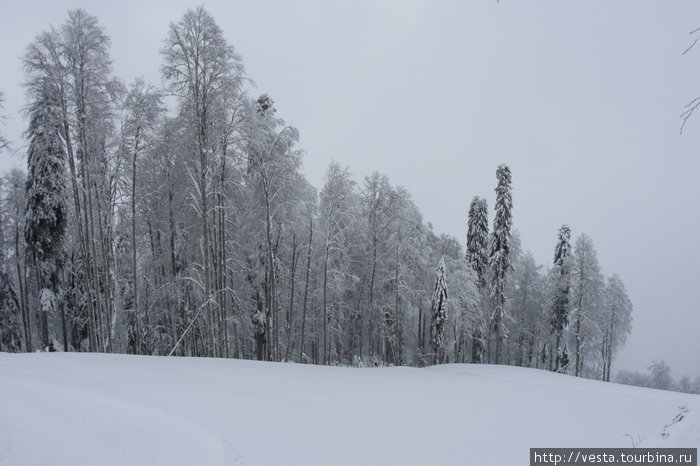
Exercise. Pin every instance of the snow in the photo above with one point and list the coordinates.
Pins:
(70, 408)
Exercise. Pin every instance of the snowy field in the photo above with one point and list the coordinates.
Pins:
(94, 409)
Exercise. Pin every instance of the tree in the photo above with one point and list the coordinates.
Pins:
(615, 320)
(499, 257)
(528, 305)
(587, 284)
(75, 61)
(46, 211)
(477, 255)
(477, 239)
(14, 205)
(439, 314)
(10, 326)
(337, 210)
(143, 106)
(376, 202)
(561, 272)
(273, 163)
(204, 72)
(660, 375)
(4, 143)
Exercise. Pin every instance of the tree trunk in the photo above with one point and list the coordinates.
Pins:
(306, 288)
(325, 309)
(290, 310)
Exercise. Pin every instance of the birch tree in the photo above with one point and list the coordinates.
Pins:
(587, 287)
(74, 60)
(616, 321)
(203, 71)
(337, 212)
(273, 163)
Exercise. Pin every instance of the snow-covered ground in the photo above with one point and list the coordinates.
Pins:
(95, 409)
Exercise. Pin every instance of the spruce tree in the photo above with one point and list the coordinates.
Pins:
(10, 326)
(439, 313)
(46, 209)
(499, 258)
(559, 317)
(477, 258)
(477, 238)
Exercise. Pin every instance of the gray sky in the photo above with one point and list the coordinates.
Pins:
(581, 99)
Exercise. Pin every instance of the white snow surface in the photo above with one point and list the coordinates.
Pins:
(96, 409)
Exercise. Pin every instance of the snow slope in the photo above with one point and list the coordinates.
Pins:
(96, 409)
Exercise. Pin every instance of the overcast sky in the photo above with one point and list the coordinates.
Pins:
(581, 99)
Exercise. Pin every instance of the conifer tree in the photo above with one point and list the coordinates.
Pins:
(559, 317)
(10, 330)
(439, 314)
(499, 258)
(46, 209)
(477, 238)
(477, 258)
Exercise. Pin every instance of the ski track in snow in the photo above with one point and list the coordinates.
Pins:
(96, 409)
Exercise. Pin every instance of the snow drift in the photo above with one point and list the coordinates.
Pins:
(96, 409)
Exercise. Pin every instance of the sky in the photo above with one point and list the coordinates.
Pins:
(581, 99)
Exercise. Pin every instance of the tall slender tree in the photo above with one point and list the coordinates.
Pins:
(587, 287)
(10, 327)
(337, 204)
(143, 105)
(616, 321)
(499, 257)
(561, 273)
(273, 163)
(477, 255)
(439, 310)
(46, 210)
(204, 72)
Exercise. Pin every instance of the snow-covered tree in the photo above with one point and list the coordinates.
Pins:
(338, 203)
(465, 305)
(143, 107)
(273, 163)
(478, 239)
(439, 314)
(587, 285)
(3, 141)
(10, 325)
(204, 72)
(561, 276)
(615, 320)
(376, 204)
(46, 212)
(477, 255)
(74, 60)
(528, 309)
(17, 263)
(499, 256)
(660, 375)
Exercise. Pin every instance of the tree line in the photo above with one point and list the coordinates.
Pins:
(193, 232)
(658, 375)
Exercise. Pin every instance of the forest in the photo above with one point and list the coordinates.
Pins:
(175, 219)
